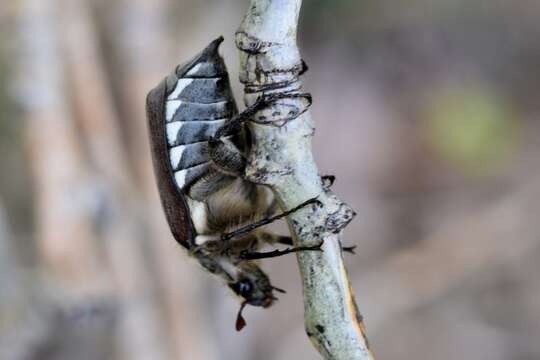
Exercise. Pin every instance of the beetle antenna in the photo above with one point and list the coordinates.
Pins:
(240, 321)
(279, 290)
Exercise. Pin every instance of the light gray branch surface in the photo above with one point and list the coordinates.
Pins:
(281, 158)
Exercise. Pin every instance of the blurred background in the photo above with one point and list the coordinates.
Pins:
(427, 112)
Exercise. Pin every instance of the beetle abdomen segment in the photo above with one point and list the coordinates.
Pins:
(183, 132)
(202, 90)
(179, 110)
(186, 177)
(199, 101)
(186, 156)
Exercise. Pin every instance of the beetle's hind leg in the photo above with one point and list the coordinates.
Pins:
(227, 158)
(223, 152)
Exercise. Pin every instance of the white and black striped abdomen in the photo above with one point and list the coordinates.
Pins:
(198, 102)
(201, 194)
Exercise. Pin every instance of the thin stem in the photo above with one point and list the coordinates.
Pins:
(281, 158)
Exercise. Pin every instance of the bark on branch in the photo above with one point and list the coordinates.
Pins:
(281, 158)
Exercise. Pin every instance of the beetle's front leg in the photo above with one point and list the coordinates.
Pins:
(247, 255)
(287, 240)
(213, 246)
(245, 249)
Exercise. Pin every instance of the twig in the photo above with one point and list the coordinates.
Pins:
(281, 158)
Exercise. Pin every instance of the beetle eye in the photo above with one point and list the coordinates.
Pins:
(244, 288)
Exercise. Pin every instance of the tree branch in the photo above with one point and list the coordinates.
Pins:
(281, 158)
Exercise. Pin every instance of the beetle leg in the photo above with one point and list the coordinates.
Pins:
(233, 124)
(250, 227)
(214, 246)
(287, 240)
(227, 157)
(263, 101)
(246, 255)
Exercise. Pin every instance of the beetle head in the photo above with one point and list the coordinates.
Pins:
(253, 285)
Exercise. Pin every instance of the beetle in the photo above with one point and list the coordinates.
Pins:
(199, 147)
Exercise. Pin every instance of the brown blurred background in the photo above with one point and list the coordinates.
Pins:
(427, 113)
